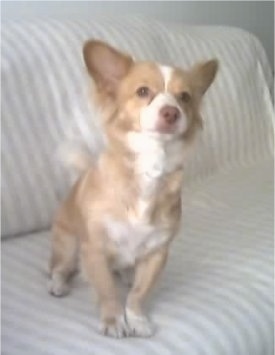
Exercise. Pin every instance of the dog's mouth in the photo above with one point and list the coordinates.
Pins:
(163, 128)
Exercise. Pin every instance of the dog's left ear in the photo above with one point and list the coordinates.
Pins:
(106, 65)
(203, 75)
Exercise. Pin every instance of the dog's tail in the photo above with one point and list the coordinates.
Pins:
(76, 158)
(82, 143)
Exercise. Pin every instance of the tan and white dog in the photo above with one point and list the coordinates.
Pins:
(125, 209)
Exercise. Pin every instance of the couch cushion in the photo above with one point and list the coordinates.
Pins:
(215, 297)
(44, 94)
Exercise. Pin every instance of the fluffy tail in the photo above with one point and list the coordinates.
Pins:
(76, 158)
(82, 143)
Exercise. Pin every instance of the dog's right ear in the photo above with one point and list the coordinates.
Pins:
(106, 65)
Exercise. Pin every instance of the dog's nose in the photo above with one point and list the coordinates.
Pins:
(170, 114)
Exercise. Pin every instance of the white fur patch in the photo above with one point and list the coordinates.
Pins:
(133, 239)
(139, 326)
(150, 154)
(156, 155)
(167, 75)
(149, 115)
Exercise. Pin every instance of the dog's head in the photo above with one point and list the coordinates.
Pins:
(145, 96)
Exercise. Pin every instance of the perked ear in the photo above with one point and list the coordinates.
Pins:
(203, 75)
(106, 65)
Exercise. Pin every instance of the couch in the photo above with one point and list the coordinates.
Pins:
(216, 295)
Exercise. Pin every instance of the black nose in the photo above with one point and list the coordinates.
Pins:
(170, 114)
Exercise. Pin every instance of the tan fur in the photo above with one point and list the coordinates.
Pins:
(113, 188)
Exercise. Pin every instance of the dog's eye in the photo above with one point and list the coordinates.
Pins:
(143, 91)
(185, 96)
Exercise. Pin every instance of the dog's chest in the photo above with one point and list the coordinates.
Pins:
(154, 160)
(155, 157)
(137, 236)
(133, 240)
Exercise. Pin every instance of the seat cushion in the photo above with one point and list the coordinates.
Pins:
(215, 296)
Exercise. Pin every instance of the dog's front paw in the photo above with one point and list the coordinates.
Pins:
(139, 325)
(115, 327)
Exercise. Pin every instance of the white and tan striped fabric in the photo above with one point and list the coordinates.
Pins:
(216, 295)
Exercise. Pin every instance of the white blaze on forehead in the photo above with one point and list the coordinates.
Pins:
(167, 74)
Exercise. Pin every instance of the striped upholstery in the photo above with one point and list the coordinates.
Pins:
(216, 295)
(44, 94)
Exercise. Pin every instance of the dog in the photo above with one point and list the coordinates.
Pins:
(125, 209)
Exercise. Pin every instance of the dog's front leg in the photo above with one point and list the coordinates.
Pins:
(113, 322)
(146, 273)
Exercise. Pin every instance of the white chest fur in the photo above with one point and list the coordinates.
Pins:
(133, 240)
(155, 157)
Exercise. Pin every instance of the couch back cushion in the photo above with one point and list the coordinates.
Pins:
(44, 93)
